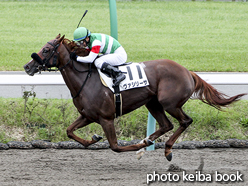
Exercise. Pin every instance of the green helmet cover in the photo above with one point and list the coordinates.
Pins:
(81, 33)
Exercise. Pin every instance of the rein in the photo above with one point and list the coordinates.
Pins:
(80, 71)
(88, 75)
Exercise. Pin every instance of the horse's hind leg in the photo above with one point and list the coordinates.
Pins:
(79, 123)
(157, 111)
(184, 121)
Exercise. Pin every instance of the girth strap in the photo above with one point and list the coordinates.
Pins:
(118, 101)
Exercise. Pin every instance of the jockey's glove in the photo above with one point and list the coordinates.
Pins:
(73, 56)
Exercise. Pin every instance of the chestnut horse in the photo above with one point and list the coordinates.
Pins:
(170, 86)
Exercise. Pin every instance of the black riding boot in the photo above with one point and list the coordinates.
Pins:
(113, 72)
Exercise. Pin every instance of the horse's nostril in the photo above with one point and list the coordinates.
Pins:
(27, 67)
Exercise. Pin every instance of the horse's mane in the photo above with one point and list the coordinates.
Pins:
(74, 47)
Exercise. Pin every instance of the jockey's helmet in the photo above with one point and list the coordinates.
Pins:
(81, 33)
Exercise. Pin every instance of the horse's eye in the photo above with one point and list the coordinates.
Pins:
(45, 51)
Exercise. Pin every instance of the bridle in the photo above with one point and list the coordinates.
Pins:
(55, 48)
(45, 65)
(45, 62)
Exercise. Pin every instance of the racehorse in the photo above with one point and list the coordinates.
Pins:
(170, 86)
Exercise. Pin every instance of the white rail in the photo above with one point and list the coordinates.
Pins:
(51, 78)
(225, 78)
(20, 78)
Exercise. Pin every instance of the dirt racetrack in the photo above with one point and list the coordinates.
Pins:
(104, 167)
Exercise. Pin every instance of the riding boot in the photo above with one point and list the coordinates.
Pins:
(113, 72)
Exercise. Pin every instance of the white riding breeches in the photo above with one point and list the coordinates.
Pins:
(117, 58)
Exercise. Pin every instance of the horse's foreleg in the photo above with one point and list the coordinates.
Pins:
(184, 121)
(79, 123)
(109, 129)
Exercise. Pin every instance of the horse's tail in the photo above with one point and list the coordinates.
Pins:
(209, 95)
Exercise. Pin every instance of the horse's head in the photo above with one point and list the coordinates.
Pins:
(46, 58)
(53, 54)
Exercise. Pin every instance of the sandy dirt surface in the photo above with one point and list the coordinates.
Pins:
(105, 167)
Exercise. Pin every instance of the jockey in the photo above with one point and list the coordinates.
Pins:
(113, 52)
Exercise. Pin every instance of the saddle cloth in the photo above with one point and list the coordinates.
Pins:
(135, 77)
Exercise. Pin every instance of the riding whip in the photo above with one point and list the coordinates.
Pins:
(82, 17)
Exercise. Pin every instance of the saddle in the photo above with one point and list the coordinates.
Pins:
(135, 78)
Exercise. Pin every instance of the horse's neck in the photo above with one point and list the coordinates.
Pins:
(73, 79)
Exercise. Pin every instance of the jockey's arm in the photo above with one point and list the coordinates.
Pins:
(92, 55)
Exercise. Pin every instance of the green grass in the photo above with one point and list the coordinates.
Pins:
(47, 119)
(202, 36)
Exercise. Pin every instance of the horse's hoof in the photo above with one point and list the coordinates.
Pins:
(97, 137)
(169, 157)
(149, 142)
(140, 153)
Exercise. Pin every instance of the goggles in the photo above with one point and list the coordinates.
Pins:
(81, 42)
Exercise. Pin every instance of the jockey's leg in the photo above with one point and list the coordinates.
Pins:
(107, 62)
(113, 72)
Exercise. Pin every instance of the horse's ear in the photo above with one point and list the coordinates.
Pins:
(61, 39)
(58, 36)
